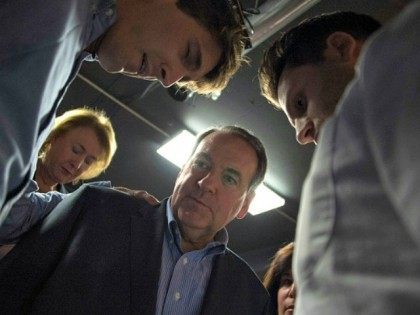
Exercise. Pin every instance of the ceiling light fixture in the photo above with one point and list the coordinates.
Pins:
(178, 150)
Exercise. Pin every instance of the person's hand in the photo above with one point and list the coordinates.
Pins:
(139, 194)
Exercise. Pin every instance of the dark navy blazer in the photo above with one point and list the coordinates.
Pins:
(99, 252)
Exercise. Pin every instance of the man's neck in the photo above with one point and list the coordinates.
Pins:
(188, 244)
(190, 239)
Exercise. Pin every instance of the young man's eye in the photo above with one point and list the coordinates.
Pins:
(300, 105)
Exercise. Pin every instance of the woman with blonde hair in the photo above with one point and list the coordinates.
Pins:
(79, 147)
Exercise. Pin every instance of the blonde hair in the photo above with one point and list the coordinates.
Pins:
(85, 117)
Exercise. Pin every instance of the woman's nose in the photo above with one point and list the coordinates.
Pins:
(77, 162)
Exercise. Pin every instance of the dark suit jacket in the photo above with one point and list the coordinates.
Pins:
(99, 252)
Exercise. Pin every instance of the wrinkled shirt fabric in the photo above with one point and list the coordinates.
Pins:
(358, 233)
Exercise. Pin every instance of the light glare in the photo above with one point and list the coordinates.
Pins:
(178, 149)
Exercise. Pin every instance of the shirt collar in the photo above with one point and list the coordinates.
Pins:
(220, 239)
(104, 15)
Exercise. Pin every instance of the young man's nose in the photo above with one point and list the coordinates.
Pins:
(170, 75)
(305, 132)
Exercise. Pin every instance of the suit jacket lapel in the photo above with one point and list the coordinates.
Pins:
(147, 227)
(220, 287)
(36, 255)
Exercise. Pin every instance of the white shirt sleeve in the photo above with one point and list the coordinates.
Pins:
(392, 114)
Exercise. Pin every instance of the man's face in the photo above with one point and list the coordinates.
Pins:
(154, 40)
(308, 95)
(212, 188)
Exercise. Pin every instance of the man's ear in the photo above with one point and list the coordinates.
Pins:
(342, 47)
(244, 210)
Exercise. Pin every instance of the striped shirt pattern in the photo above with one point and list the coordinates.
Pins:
(184, 276)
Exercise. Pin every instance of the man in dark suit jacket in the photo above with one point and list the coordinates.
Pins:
(102, 251)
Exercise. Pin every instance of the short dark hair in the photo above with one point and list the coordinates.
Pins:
(305, 44)
(280, 264)
(252, 140)
(220, 19)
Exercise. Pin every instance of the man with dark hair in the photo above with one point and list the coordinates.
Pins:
(101, 251)
(195, 43)
(314, 51)
(357, 238)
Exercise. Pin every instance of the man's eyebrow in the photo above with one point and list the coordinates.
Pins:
(201, 155)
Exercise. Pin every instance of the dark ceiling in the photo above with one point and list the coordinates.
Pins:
(137, 165)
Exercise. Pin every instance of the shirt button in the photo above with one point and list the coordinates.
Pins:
(185, 261)
(177, 296)
(109, 12)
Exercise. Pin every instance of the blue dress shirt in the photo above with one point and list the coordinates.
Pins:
(184, 276)
(41, 49)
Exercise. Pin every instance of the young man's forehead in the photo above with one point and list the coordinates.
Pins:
(283, 100)
(284, 87)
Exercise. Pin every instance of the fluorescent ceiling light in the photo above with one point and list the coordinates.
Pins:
(265, 199)
(178, 150)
